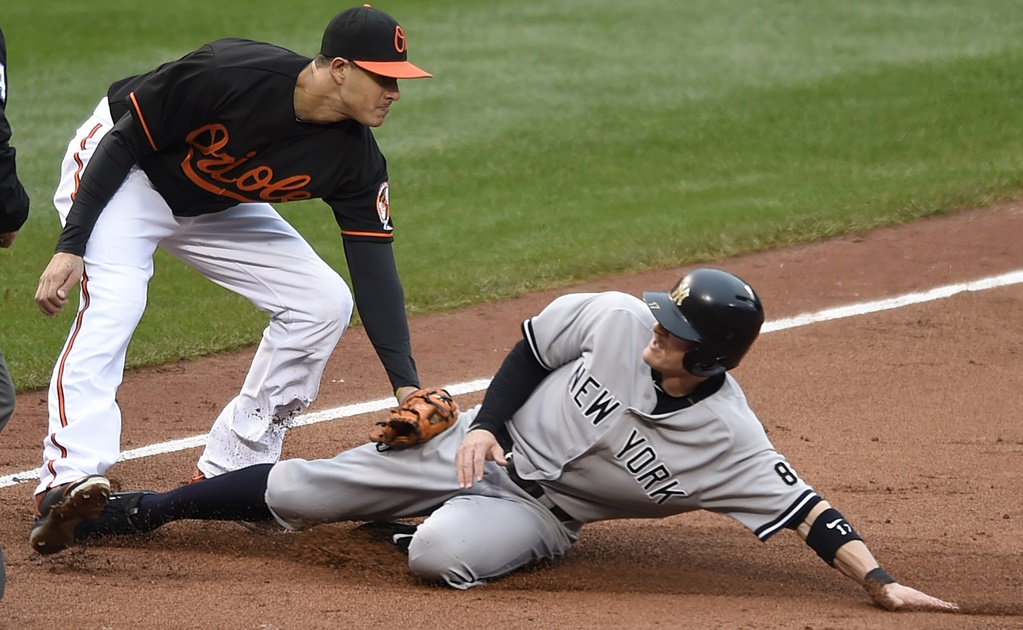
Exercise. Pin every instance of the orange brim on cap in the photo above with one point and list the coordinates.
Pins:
(394, 69)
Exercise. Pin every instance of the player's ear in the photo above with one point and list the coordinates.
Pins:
(339, 69)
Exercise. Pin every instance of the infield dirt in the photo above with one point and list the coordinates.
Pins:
(907, 420)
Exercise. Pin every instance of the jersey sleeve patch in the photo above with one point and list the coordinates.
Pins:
(384, 207)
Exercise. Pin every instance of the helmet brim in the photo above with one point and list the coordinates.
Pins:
(668, 315)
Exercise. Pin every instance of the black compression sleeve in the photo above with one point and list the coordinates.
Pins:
(520, 374)
(116, 153)
(381, 303)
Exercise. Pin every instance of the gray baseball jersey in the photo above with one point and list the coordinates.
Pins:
(588, 436)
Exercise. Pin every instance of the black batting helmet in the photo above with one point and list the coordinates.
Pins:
(716, 310)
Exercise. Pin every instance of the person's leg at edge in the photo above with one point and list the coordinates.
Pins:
(7, 398)
(7, 394)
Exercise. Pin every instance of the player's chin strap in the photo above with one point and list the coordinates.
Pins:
(535, 490)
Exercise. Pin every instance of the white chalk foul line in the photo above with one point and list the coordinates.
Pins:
(908, 299)
(347, 411)
(315, 417)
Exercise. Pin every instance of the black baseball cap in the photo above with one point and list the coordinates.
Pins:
(372, 40)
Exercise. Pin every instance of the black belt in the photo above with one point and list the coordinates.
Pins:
(535, 490)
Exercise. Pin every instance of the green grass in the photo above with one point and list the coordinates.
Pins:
(565, 140)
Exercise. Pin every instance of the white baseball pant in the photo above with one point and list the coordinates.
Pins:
(249, 249)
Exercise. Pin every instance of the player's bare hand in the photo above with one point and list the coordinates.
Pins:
(897, 596)
(60, 276)
(7, 239)
(404, 392)
(478, 446)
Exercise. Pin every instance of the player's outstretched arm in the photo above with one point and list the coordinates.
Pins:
(833, 538)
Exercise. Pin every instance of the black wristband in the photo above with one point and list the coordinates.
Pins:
(879, 576)
(829, 532)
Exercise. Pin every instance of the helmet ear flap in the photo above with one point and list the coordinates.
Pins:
(700, 361)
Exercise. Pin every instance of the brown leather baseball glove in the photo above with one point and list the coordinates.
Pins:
(423, 415)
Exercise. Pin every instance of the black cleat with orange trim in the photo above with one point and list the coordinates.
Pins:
(63, 507)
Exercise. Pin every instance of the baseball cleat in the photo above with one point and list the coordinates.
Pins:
(62, 508)
(119, 517)
(398, 534)
(197, 476)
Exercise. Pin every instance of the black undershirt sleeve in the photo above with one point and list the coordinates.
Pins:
(519, 375)
(119, 150)
(381, 303)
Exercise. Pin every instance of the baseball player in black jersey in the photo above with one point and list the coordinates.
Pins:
(13, 213)
(609, 407)
(189, 157)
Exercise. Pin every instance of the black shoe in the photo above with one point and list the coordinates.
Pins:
(398, 534)
(118, 518)
(62, 508)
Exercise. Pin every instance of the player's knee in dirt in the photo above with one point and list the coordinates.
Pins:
(436, 559)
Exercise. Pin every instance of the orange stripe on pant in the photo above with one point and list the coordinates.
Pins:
(78, 318)
(78, 160)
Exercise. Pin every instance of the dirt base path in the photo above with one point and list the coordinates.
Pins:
(907, 420)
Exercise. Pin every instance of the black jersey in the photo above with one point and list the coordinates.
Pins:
(221, 126)
(13, 198)
(218, 127)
